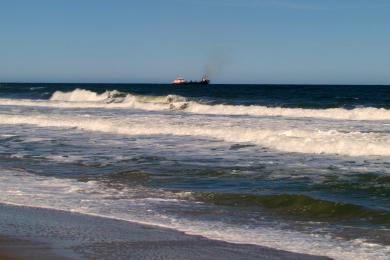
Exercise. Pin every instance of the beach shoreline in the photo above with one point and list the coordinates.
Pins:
(46, 234)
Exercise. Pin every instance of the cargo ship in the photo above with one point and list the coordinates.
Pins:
(182, 81)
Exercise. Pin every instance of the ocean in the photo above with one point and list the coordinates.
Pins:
(303, 168)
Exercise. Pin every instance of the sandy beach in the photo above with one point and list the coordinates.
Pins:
(33, 233)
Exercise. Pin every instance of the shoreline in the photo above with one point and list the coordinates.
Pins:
(45, 233)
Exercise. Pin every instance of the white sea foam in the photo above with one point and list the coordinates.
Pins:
(290, 140)
(108, 100)
(368, 113)
(80, 98)
(82, 95)
(79, 95)
(95, 198)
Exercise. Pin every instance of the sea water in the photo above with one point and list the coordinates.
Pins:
(294, 167)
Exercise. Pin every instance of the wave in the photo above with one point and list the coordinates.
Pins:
(116, 99)
(292, 140)
(368, 113)
(81, 98)
(82, 95)
(79, 95)
(299, 206)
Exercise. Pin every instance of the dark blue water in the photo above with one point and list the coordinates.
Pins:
(302, 96)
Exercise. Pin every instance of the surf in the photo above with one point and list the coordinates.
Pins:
(286, 140)
(97, 199)
(81, 98)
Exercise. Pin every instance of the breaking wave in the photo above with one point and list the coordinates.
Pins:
(293, 140)
(113, 97)
(368, 113)
(81, 98)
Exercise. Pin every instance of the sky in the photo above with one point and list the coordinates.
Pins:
(234, 41)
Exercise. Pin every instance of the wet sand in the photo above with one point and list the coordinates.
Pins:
(12, 249)
(31, 233)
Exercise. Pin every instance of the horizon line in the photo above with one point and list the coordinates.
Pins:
(164, 83)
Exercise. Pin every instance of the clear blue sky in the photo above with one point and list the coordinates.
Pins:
(249, 41)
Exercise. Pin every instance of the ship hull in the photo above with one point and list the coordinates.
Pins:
(181, 81)
(192, 83)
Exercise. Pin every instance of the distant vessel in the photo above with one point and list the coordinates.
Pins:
(182, 81)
